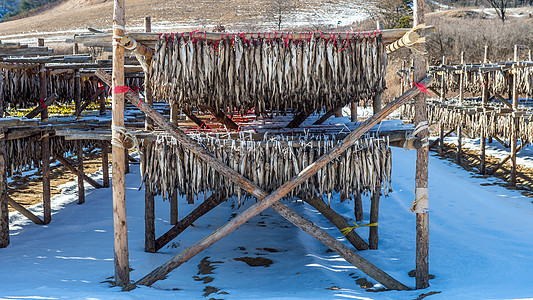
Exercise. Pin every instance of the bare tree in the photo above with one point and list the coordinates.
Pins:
(501, 7)
(393, 13)
(278, 11)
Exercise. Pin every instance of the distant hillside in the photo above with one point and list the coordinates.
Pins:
(8, 6)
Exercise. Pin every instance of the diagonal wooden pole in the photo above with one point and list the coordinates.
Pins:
(269, 200)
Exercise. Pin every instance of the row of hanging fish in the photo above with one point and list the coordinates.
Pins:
(20, 88)
(167, 167)
(490, 123)
(270, 74)
(25, 154)
(499, 82)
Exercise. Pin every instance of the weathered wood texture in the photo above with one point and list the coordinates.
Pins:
(358, 207)
(174, 113)
(338, 221)
(223, 119)
(353, 111)
(326, 116)
(68, 164)
(120, 225)
(268, 200)
(81, 186)
(77, 93)
(25, 212)
(205, 207)
(45, 141)
(373, 236)
(42, 109)
(505, 159)
(105, 163)
(149, 222)
(422, 158)
(149, 123)
(4, 212)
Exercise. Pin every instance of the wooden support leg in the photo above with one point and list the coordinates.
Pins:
(149, 222)
(174, 208)
(514, 140)
(327, 115)
(77, 93)
(81, 187)
(353, 111)
(441, 139)
(195, 119)
(65, 162)
(190, 199)
(105, 163)
(376, 103)
(45, 160)
(25, 212)
(459, 145)
(482, 165)
(89, 101)
(4, 212)
(101, 100)
(223, 119)
(337, 220)
(358, 207)
(373, 237)
(126, 162)
(505, 159)
(298, 119)
(206, 206)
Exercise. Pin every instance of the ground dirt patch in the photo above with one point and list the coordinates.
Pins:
(255, 261)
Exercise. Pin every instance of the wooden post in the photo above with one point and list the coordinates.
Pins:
(422, 158)
(443, 82)
(337, 220)
(4, 212)
(75, 49)
(441, 139)
(149, 222)
(122, 271)
(105, 163)
(373, 236)
(174, 197)
(484, 100)
(459, 141)
(338, 112)
(353, 111)
(149, 123)
(515, 120)
(77, 93)
(126, 162)
(81, 186)
(462, 79)
(272, 199)
(376, 99)
(101, 100)
(402, 80)
(45, 143)
(358, 207)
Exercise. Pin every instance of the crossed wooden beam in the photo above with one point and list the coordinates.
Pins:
(271, 200)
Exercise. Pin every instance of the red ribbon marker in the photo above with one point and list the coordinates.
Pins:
(125, 89)
(421, 87)
(41, 103)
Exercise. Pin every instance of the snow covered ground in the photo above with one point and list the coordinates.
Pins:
(480, 247)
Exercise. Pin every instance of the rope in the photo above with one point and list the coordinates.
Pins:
(421, 203)
(349, 229)
(126, 135)
(413, 135)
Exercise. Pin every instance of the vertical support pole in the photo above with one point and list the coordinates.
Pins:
(462, 79)
(338, 112)
(459, 141)
(122, 272)
(126, 162)
(443, 82)
(75, 49)
(81, 187)
(373, 237)
(4, 212)
(422, 157)
(358, 207)
(376, 100)
(353, 111)
(77, 93)
(402, 80)
(484, 100)
(515, 120)
(174, 198)
(101, 100)
(149, 123)
(45, 144)
(441, 139)
(149, 220)
(105, 163)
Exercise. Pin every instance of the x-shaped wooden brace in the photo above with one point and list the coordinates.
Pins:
(272, 199)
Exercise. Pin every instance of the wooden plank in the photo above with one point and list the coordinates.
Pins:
(4, 211)
(65, 162)
(337, 220)
(120, 225)
(269, 200)
(81, 175)
(327, 115)
(503, 100)
(202, 209)
(21, 209)
(42, 108)
(298, 119)
(422, 158)
(223, 119)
